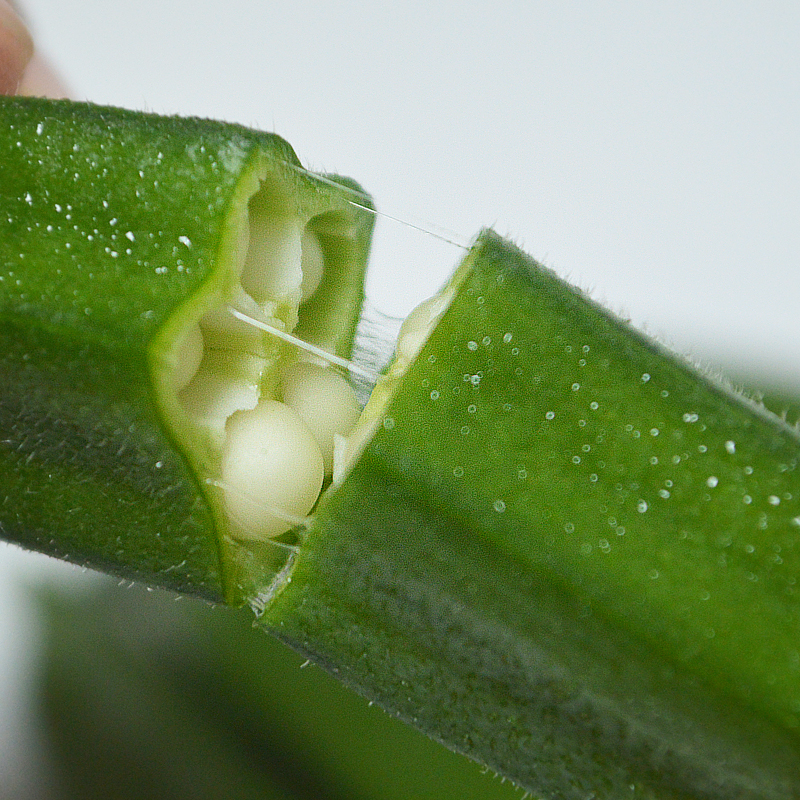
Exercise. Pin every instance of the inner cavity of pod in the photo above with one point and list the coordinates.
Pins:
(266, 413)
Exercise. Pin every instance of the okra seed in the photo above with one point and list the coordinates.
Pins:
(324, 401)
(272, 470)
(418, 325)
(212, 395)
(272, 265)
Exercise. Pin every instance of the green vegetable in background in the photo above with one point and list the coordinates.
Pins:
(144, 697)
(547, 543)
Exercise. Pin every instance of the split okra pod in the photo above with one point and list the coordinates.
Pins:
(546, 542)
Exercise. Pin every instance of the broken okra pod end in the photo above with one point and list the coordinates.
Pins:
(574, 538)
(128, 386)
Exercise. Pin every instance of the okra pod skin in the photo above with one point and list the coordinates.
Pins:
(568, 537)
(117, 231)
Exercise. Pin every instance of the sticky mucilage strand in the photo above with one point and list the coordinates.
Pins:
(306, 347)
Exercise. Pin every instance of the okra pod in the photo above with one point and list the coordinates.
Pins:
(125, 239)
(573, 538)
(547, 542)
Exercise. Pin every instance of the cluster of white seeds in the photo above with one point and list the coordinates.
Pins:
(276, 437)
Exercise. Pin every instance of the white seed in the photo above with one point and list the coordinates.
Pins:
(215, 399)
(188, 355)
(272, 470)
(417, 326)
(215, 393)
(324, 401)
(272, 264)
(312, 262)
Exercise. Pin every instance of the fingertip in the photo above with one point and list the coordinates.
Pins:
(16, 48)
(41, 80)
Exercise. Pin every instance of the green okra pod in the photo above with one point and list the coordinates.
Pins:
(574, 538)
(548, 542)
(124, 238)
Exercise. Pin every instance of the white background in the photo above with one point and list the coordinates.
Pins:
(648, 151)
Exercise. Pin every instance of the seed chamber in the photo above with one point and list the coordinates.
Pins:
(256, 416)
